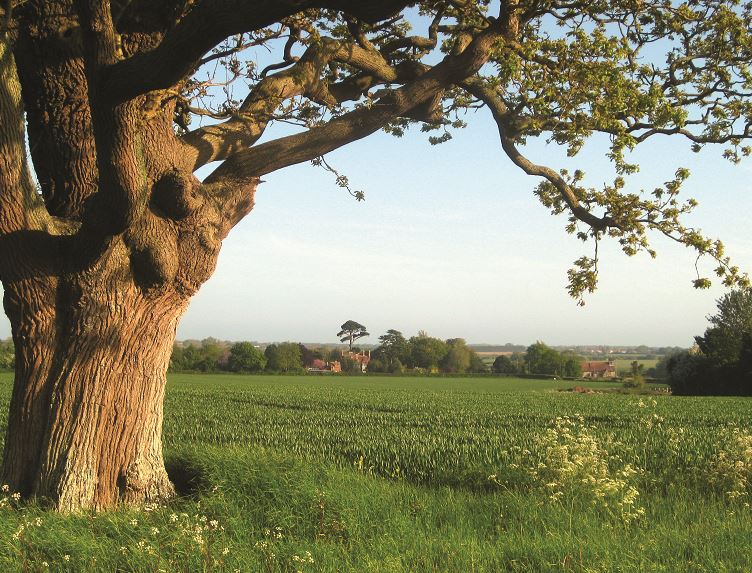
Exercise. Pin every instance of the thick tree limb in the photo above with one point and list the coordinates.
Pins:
(361, 122)
(21, 208)
(217, 142)
(99, 32)
(56, 101)
(121, 174)
(206, 25)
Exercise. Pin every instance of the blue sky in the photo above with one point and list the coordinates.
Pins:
(451, 240)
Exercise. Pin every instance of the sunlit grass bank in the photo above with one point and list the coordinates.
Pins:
(369, 474)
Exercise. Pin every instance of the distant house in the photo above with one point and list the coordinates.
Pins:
(319, 366)
(362, 358)
(599, 369)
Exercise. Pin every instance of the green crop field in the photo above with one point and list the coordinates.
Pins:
(420, 474)
(435, 430)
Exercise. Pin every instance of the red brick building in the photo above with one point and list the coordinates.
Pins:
(599, 369)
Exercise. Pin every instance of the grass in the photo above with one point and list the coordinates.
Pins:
(282, 466)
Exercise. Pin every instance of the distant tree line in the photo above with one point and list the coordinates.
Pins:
(721, 361)
(424, 353)
(540, 359)
(395, 354)
(211, 355)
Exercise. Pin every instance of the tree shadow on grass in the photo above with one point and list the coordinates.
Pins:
(187, 474)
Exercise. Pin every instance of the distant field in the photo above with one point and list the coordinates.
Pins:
(624, 365)
(493, 354)
(284, 474)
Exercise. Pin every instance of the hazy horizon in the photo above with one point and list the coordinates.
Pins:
(364, 342)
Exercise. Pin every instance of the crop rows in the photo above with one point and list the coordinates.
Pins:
(453, 434)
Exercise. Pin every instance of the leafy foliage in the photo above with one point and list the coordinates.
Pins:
(427, 352)
(7, 354)
(503, 365)
(245, 357)
(351, 331)
(424, 353)
(542, 359)
(284, 357)
(206, 356)
(563, 71)
(394, 350)
(722, 361)
(724, 339)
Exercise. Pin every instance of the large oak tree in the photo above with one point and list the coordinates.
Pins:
(106, 233)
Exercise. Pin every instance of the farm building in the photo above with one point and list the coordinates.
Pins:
(320, 366)
(362, 358)
(599, 369)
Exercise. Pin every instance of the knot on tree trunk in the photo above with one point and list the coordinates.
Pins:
(153, 252)
(176, 195)
(154, 267)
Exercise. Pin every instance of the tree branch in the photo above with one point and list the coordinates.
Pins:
(217, 142)
(99, 32)
(206, 25)
(360, 122)
(502, 116)
(21, 208)
(121, 176)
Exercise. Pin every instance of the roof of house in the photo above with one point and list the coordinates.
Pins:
(360, 357)
(598, 366)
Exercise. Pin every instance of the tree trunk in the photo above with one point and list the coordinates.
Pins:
(98, 264)
(92, 350)
(86, 412)
(94, 333)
